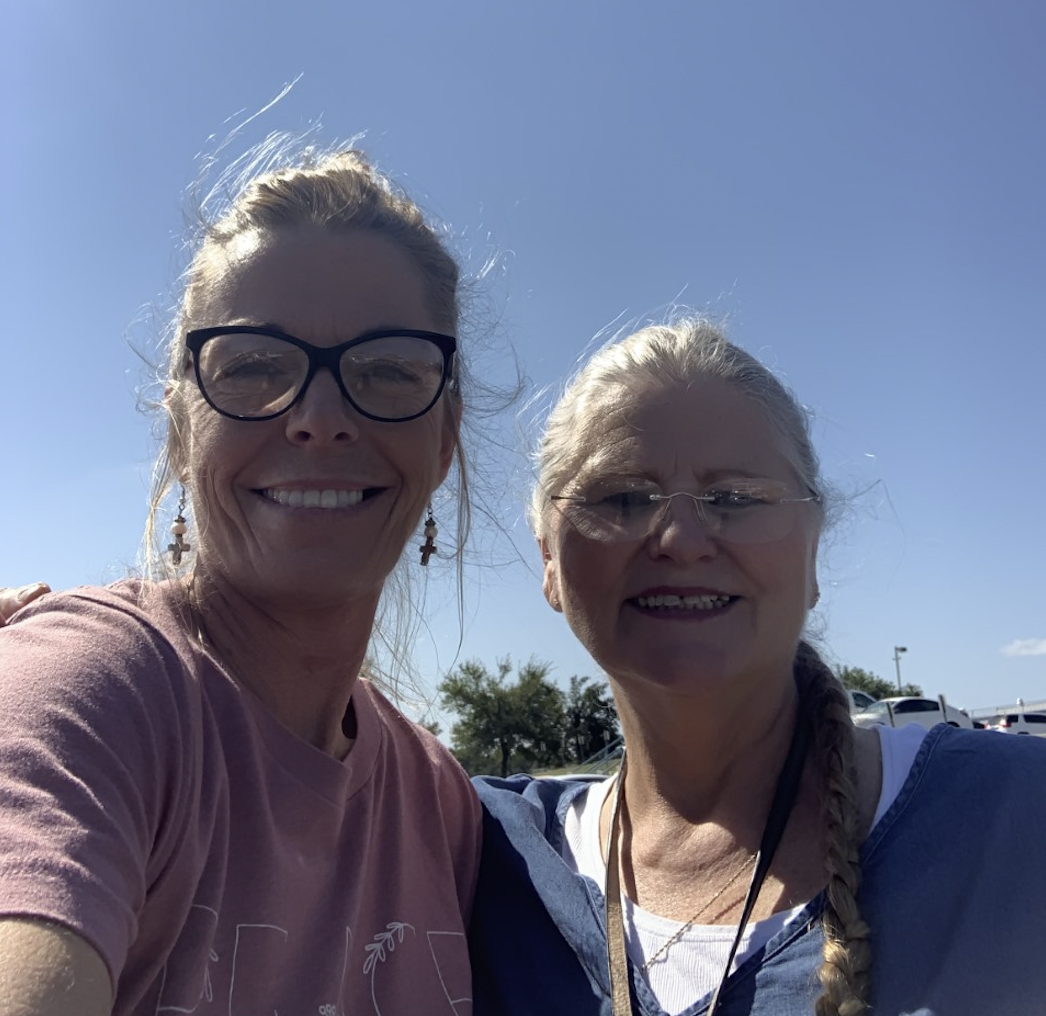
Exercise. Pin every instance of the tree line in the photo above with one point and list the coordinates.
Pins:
(508, 724)
(857, 679)
(518, 725)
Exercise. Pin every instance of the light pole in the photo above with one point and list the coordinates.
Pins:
(897, 650)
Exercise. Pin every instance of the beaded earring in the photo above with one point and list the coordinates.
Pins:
(428, 548)
(178, 530)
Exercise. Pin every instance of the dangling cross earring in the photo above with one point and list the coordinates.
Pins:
(178, 530)
(428, 548)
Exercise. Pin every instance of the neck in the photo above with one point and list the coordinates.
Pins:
(301, 664)
(712, 759)
(697, 796)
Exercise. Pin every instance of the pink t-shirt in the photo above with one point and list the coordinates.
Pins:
(217, 862)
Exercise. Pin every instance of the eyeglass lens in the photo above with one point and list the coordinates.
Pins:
(745, 513)
(249, 375)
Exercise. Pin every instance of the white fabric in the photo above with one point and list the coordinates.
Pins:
(692, 966)
(899, 746)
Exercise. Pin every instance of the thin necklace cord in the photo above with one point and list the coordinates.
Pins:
(785, 793)
(690, 921)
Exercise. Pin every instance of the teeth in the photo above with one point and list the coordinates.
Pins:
(314, 498)
(706, 602)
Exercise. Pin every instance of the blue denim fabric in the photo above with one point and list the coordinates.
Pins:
(954, 891)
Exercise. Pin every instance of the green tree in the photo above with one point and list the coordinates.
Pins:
(504, 726)
(540, 709)
(591, 717)
(857, 679)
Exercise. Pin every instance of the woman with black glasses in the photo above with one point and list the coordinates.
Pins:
(203, 806)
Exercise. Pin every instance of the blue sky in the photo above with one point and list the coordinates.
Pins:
(856, 189)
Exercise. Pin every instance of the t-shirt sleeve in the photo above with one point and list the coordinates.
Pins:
(88, 786)
(468, 827)
(434, 770)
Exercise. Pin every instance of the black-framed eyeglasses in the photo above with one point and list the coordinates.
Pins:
(250, 372)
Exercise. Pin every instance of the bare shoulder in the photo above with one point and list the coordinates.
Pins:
(46, 969)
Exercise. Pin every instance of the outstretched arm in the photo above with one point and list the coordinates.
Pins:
(47, 970)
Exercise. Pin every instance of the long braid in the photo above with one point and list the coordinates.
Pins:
(847, 953)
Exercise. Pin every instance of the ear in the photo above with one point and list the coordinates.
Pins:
(550, 576)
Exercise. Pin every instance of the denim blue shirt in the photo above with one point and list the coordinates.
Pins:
(954, 890)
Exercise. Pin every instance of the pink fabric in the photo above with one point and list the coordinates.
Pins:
(217, 862)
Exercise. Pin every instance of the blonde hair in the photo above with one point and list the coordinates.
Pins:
(847, 954)
(279, 187)
(679, 353)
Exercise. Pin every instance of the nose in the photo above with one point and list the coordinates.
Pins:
(682, 530)
(323, 415)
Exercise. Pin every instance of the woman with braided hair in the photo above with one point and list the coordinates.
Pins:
(756, 854)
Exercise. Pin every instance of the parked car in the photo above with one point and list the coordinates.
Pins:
(908, 709)
(859, 700)
(1020, 723)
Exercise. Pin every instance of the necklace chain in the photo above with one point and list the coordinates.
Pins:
(689, 923)
(780, 809)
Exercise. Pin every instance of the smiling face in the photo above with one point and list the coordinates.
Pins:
(316, 505)
(683, 607)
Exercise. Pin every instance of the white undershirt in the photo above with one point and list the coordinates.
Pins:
(692, 966)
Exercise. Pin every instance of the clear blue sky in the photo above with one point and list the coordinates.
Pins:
(857, 189)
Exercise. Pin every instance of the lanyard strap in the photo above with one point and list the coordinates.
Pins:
(616, 956)
(780, 808)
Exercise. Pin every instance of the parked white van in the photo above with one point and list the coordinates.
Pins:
(1019, 723)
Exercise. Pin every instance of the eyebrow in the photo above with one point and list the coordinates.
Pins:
(710, 476)
(746, 474)
(246, 322)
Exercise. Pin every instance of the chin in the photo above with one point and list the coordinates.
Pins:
(689, 671)
(321, 583)
(699, 670)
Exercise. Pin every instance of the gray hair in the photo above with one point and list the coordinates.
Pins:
(677, 353)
